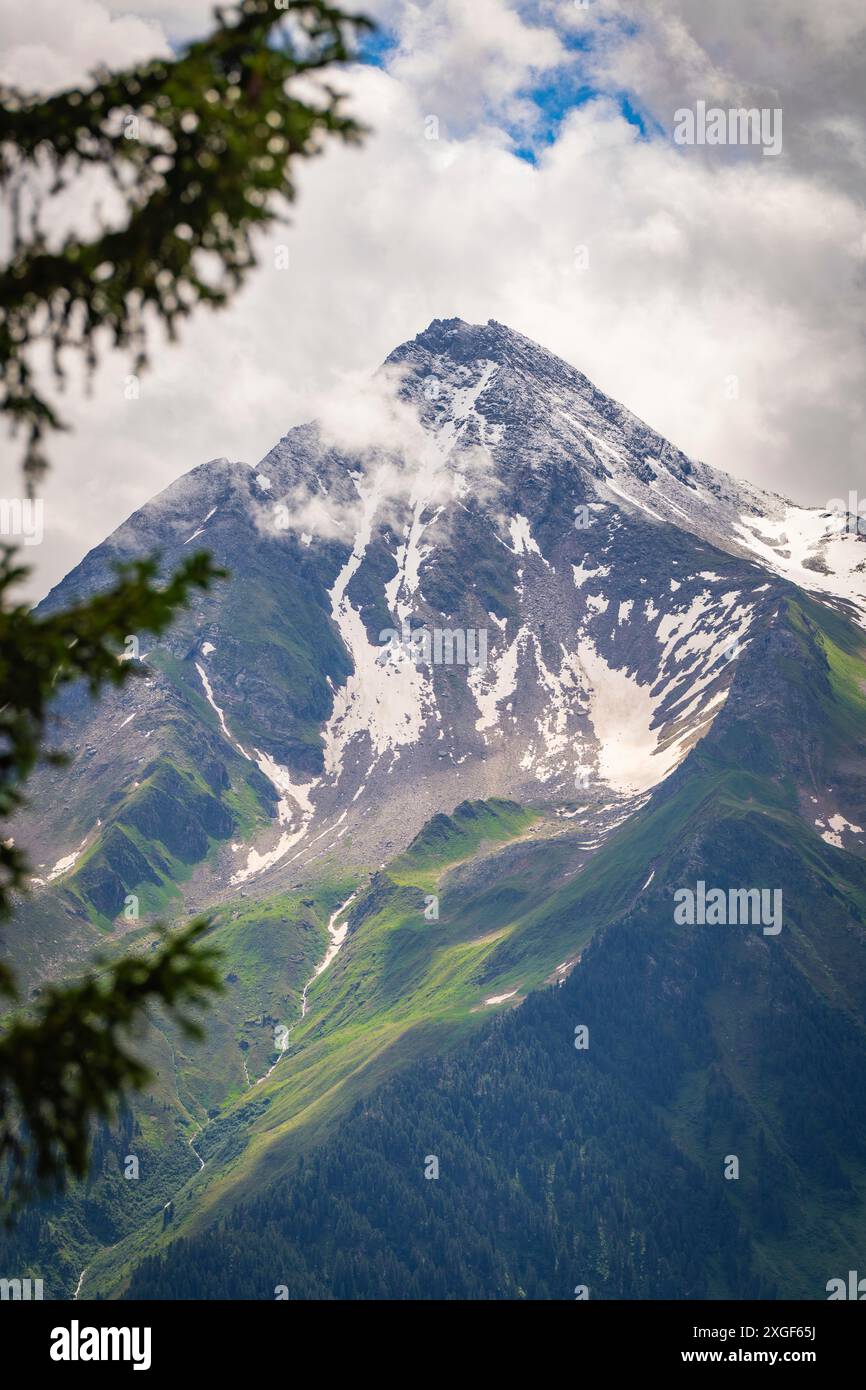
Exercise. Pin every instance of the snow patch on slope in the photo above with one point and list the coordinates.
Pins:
(522, 542)
(832, 831)
(287, 815)
(385, 700)
(621, 712)
(208, 690)
(497, 683)
(813, 548)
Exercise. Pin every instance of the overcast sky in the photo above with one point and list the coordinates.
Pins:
(556, 128)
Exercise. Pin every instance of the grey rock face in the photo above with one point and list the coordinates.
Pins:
(511, 586)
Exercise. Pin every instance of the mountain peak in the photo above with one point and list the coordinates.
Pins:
(466, 342)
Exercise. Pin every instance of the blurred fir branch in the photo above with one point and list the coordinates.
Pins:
(197, 152)
(65, 1062)
(200, 152)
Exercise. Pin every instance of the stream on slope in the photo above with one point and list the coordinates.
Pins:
(336, 938)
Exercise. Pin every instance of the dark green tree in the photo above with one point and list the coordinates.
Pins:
(66, 1060)
(201, 150)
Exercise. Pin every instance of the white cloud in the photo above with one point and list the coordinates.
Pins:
(181, 18)
(469, 63)
(802, 56)
(47, 47)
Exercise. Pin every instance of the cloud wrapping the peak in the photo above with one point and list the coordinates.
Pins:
(716, 293)
(395, 459)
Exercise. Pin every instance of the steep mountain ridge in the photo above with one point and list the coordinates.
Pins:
(292, 696)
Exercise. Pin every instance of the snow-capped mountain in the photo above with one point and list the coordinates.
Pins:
(496, 673)
(507, 586)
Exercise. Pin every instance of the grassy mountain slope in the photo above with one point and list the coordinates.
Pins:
(730, 1040)
(704, 1042)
